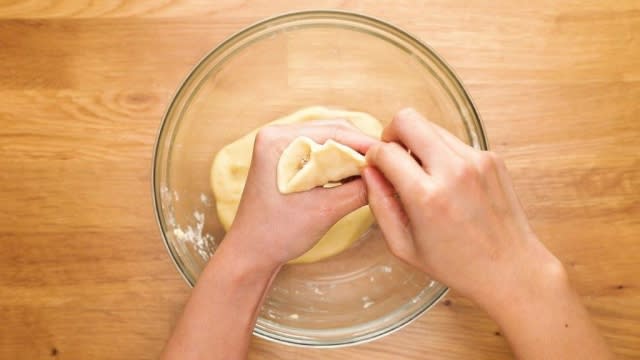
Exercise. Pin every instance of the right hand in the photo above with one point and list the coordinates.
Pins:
(451, 211)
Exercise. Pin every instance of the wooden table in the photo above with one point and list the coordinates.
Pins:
(83, 86)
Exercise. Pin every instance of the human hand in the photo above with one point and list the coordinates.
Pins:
(451, 211)
(276, 228)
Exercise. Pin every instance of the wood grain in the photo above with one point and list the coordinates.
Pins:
(83, 86)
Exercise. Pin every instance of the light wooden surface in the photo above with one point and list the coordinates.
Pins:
(83, 86)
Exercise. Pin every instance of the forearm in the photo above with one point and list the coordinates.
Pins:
(545, 319)
(219, 317)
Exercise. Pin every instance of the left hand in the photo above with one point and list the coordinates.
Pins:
(274, 228)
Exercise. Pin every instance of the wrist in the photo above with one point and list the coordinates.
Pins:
(243, 265)
(260, 248)
(223, 306)
(530, 287)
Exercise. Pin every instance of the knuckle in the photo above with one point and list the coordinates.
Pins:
(432, 200)
(398, 250)
(487, 162)
(404, 118)
(465, 172)
(266, 134)
(406, 114)
(386, 152)
(419, 187)
(440, 202)
(498, 160)
(399, 253)
(408, 119)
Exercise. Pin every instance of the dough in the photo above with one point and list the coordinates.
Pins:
(231, 166)
(305, 164)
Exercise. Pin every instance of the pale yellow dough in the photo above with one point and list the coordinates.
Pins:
(231, 165)
(305, 164)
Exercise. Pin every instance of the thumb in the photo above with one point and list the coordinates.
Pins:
(342, 199)
(389, 213)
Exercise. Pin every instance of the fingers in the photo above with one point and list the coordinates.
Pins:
(412, 130)
(273, 139)
(453, 142)
(398, 166)
(336, 202)
(347, 135)
(389, 213)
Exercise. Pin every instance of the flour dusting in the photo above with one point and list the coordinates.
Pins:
(202, 242)
(194, 235)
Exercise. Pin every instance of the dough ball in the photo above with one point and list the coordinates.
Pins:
(231, 166)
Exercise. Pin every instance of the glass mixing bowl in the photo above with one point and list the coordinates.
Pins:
(274, 68)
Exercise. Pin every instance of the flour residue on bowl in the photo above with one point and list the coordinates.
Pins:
(367, 302)
(193, 235)
(202, 242)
